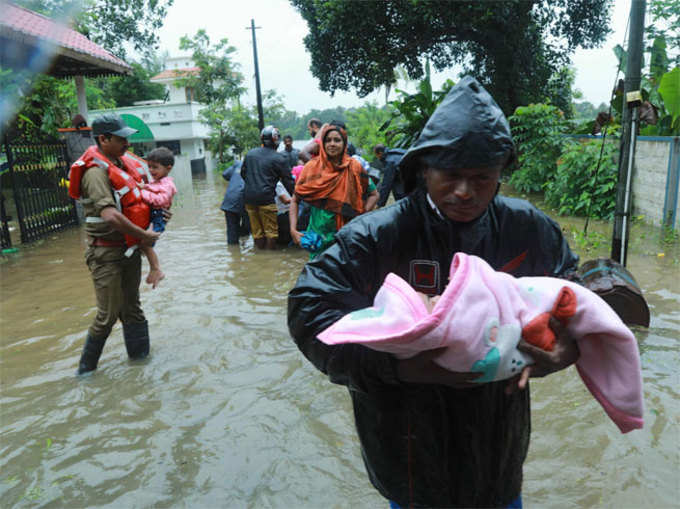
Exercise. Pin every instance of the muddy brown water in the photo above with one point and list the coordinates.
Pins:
(227, 413)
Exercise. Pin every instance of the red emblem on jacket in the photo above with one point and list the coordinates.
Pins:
(424, 276)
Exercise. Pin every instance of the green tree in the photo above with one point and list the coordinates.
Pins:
(538, 133)
(364, 125)
(513, 47)
(113, 24)
(665, 22)
(410, 112)
(560, 90)
(51, 104)
(218, 79)
(126, 90)
(218, 85)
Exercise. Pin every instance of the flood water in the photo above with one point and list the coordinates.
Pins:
(227, 413)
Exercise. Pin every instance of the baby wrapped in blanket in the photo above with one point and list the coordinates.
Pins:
(480, 318)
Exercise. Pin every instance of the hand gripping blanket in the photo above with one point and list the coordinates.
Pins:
(480, 319)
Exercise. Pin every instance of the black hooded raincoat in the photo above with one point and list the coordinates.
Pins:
(429, 445)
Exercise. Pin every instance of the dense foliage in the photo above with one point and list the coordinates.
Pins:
(364, 127)
(513, 47)
(563, 168)
(126, 90)
(50, 105)
(578, 187)
(113, 24)
(412, 111)
(538, 131)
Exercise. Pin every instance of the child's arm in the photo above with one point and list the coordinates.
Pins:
(156, 198)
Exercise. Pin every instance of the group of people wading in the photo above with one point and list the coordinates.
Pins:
(281, 196)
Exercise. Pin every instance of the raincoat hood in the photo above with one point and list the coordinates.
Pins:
(467, 129)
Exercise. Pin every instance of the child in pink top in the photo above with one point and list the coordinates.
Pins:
(158, 195)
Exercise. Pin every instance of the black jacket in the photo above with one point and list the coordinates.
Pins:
(391, 180)
(262, 168)
(425, 445)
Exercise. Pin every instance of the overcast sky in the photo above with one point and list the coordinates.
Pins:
(284, 62)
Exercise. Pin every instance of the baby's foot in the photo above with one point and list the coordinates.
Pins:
(155, 277)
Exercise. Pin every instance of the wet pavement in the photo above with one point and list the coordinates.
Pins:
(227, 413)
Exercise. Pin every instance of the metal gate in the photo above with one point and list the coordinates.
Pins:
(39, 177)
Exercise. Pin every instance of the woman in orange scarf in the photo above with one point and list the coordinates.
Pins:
(334, 185)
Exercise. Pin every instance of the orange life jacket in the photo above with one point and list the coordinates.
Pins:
(124, 183)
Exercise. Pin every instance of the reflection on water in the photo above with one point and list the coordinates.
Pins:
(227, 413)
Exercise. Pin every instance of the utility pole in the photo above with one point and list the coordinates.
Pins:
(630, 119)
(260, 114)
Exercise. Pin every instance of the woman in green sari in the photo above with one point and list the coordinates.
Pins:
(334, 185)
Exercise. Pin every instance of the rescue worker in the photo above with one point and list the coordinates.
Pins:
(431, 437)
(262, 168)
(99, 179)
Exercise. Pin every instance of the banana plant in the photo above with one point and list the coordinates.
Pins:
(412, 111)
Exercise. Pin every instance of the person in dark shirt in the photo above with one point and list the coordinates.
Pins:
(238, 224)
(291, 154)
(262, 168)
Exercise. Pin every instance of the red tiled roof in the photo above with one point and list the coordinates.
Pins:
(20, 23)
(176, 73)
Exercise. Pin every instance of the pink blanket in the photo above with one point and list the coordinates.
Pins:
(480, 318)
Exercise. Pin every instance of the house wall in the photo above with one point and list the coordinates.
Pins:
(656, 179)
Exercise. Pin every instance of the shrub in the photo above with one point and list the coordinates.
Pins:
(537, 130)
(577, 188)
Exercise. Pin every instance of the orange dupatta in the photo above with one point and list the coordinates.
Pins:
(338, 189)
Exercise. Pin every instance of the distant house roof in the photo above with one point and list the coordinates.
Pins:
(23, 33)
(171, 74)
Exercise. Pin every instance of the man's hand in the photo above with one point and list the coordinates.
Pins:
(149, 237)
(421, 369)
(167, 215)
(565, 352)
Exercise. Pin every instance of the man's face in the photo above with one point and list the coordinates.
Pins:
(312, 130)
(113, 147)
(288, 144)
(462, 194)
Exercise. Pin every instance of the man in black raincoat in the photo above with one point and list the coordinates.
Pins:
(430, 437)
(391, 179)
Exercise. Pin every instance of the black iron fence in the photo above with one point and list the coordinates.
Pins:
(38, 174)
(5, 240)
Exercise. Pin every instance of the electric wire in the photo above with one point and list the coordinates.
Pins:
(604, 130)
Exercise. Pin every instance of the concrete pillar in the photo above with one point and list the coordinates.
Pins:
(82, 97)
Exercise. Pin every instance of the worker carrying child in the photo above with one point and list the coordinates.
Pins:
(105, 179)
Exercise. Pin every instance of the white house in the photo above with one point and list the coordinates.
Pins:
(173, 122)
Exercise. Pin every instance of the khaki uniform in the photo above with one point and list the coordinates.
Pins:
(116, 277)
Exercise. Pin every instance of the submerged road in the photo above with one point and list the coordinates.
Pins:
(227, 413)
